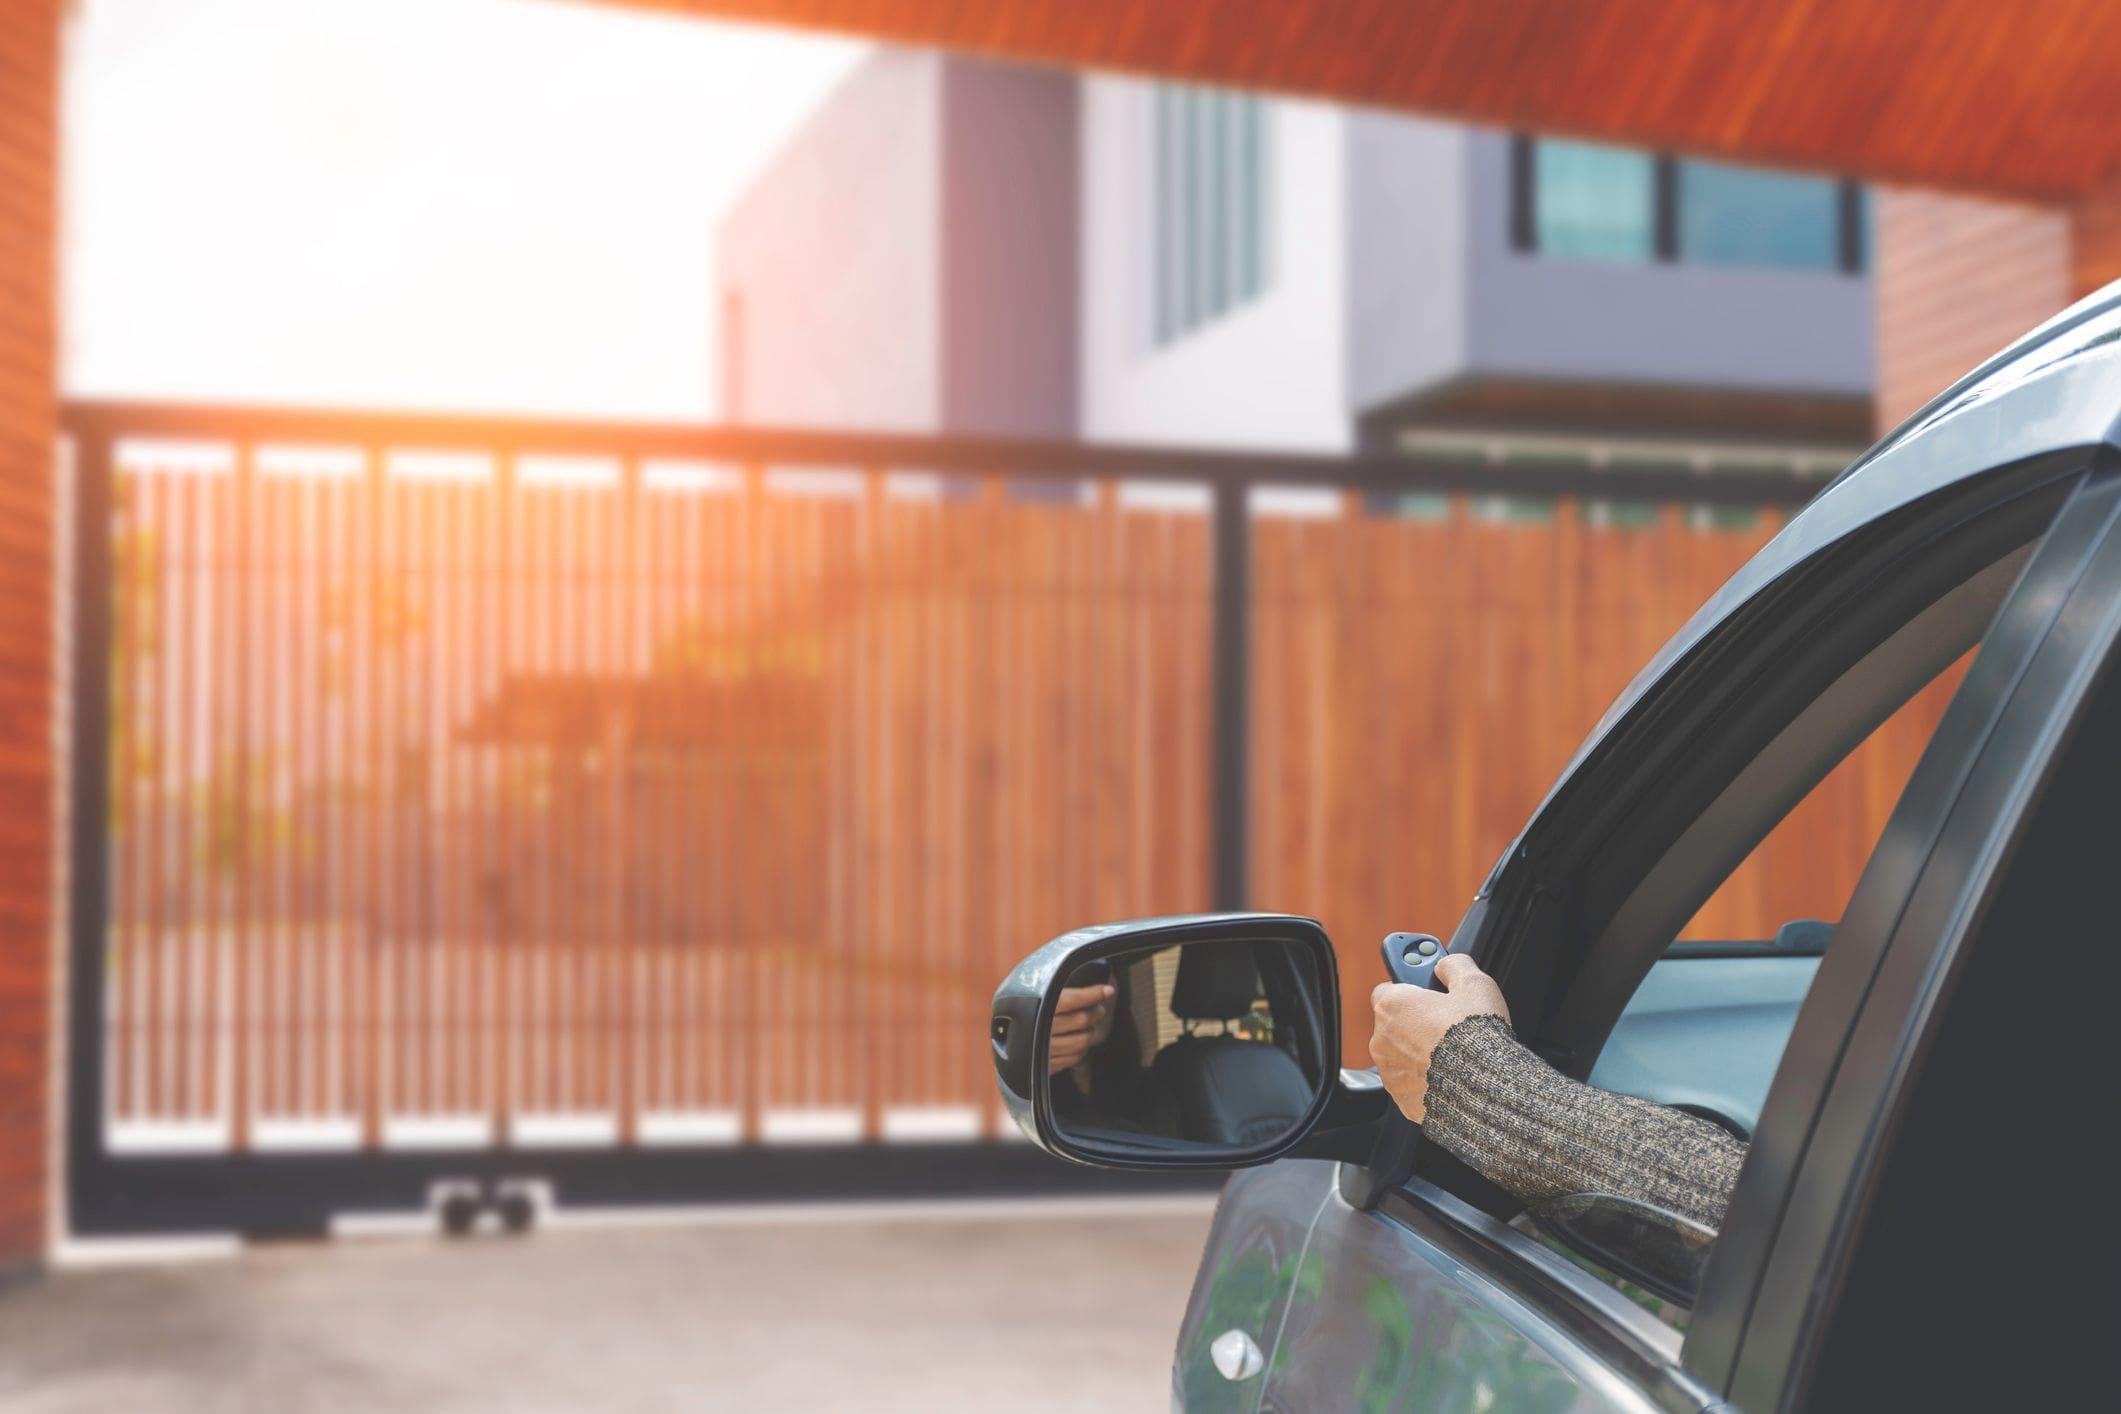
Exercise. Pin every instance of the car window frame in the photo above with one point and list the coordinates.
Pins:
(1566, 971)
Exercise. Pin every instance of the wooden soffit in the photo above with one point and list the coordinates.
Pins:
(2004, 97)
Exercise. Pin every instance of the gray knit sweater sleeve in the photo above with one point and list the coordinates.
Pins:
(1540, 1135)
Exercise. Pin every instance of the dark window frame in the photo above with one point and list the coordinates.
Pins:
(1850, 237)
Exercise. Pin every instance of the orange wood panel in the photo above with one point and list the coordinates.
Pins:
(738, 801)
(1420, 679)
(29, 41)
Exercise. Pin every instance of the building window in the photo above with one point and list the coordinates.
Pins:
(1584, 201)
(1593, 203)
(1210, 192)
(1743, 216)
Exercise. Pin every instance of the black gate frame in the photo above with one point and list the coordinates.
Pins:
(264, 1194)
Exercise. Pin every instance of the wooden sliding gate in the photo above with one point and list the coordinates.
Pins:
(653, 810)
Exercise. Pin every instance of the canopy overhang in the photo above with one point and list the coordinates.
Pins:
(1977, 96)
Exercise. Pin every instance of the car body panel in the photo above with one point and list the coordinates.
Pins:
(1254, 1258)
(1356, 1311)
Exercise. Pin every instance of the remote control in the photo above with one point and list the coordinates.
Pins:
(1412, 957)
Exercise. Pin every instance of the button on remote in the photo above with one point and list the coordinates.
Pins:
(1412, 957)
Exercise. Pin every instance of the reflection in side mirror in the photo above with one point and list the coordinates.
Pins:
(1190, 1042)
(1658, 1250)
(1172, 1042)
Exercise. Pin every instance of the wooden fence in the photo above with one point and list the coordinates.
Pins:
(1420, 680)
(473, 794)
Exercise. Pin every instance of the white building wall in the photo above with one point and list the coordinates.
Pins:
(1409, 204)
(835, 253)
(1270, 373)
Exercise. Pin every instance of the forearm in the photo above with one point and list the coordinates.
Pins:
(1540, 1135)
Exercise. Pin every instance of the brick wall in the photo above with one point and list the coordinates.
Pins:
(2095, 233)
(29, 68)
(1958, 278)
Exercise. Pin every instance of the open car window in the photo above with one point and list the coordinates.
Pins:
(1669, 937)
(1706, 1026)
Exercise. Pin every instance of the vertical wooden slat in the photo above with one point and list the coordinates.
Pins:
(129, 733)
(212, 574)
(151, 936)
(541, 1084)
(188, 996)
(628, 671)
(240, 674)
(376, 1090)
(705, 565)
(510, 933)
(309, 815)
(273, 1012)
(339, 817)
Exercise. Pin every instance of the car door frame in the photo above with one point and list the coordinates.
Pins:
(1943, 861)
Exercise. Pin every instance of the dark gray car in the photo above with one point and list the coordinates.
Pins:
(1924, 1083)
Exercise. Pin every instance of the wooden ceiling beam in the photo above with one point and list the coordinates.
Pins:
(2000, 97)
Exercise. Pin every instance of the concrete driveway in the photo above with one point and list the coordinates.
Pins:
(1071, 1307)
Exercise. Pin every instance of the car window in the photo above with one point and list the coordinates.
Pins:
(1806, 868)
(1707, 927)
(1706, 1027)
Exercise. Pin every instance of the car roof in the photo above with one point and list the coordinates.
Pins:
(2057, 388)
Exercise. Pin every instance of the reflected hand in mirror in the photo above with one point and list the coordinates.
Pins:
(1083, 1022)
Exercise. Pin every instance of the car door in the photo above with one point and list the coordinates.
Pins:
(1965, 1107)
(1425, 1295)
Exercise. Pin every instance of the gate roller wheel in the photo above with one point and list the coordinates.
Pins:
(460, 1214)
(518, 1213)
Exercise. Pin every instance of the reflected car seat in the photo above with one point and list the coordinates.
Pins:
(1229, 1090)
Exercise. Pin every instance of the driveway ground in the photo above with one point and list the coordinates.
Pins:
(1061, 1308)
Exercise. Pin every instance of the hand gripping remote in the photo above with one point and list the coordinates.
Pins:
(1412, 957)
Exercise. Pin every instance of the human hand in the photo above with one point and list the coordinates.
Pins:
(1083, 1020)
(1408, 1023)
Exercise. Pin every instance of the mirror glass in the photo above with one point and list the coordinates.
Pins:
(1187, 1047)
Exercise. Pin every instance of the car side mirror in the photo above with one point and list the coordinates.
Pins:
(1208, 1040)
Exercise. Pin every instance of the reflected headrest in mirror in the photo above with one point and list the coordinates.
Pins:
(1214, 983)
(1804, 935)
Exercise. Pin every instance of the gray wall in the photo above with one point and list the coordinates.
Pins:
(1010, 281)
(834, 252)
(908, 261)
(1436, 294)
(1407, 189)
(1677, 324)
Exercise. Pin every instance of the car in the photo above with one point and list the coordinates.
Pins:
(1925, 1083)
